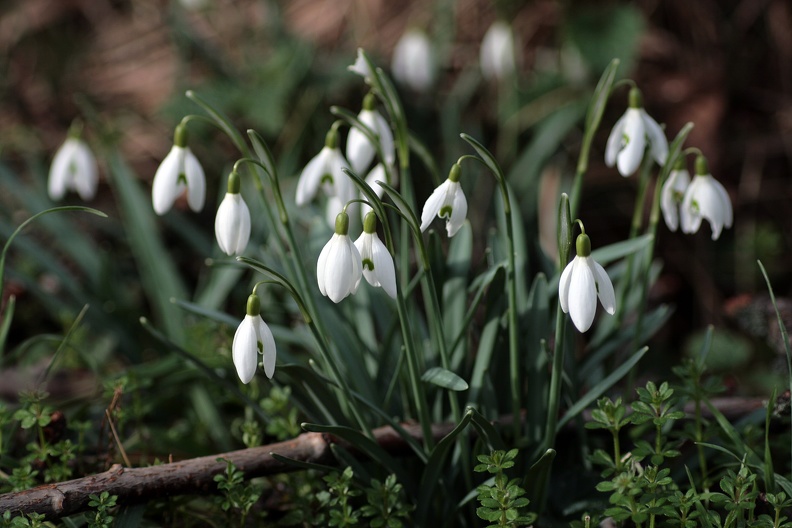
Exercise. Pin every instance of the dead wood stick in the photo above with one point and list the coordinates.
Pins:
(193, 475)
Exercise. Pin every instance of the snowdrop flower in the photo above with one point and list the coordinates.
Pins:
(253, 337)
(497, 57)
(339, 269)
(73, 168)
(413, 62)
(582, 281)
(232, 223)
(359, 149)
(630, 135)
(705, 198)
(447, 201)
(325, 171)
(361, 66)
(673, 193)
(180, 171)
(378, 268)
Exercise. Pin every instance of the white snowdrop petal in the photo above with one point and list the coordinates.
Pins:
(582, 295)
(604, 286)
(658, 144)
(433, 204)
(458, 211)
(563, 286)
(86, 179)
(384, 269)
(630, 156)
(615, 142)
(321, 265)
(311, 177)
(359, 151)
(245, 349)
(196, 181)
(165, 188)
(387, 144)
(58, 180)
(264, 335)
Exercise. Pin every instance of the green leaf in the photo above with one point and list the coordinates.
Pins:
(600, 388)
(445, 379)
(608, 254)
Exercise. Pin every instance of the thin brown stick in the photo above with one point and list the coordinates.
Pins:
(190, 476)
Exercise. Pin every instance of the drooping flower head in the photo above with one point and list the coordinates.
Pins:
(232, 223)
(253, 337)
(497, 54)
(630, 136)
(582, 282)
(673, 193)
(339, 269)
(705, 198)
(73, 168)
(447, 201)
(179, 172)
(325, 170)
(413, 63)
(378, 268)
(361, 66)
(359, 149)
(378, 173)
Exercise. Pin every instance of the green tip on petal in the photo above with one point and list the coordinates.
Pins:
(180, 135)
(702, 167)
(253, 305)
(370, 223)
(331, 139)
(234, 183)
(679, 164)
(583, 245)
(369, 102)
(342, 223)
(636, 98)
(455, 172)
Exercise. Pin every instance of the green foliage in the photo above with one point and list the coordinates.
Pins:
(502, 503)
(102, 503)
(237, 496)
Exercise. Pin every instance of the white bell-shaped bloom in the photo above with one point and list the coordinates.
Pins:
(180, 171)
(325, 170)
(447, 201)
(705, 198)
(73, 168)
(497, 54)
(232, 223)
(253, 337)
(582, 281)
(339, 269)
(378, 268)
(630, 135)
(413, 62)
(361, 66)
(673, 193)
(359, 149)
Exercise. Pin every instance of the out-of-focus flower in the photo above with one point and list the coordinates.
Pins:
(180, 171)
(73, 168)
(253, 337)
(339, 269)
(673, 193)
(359, 148)
(325, 170)
(497, 54)
(232, 223)
(630, 135)
(361, 66)
(378, 268)
(705, 198)
(413, 62)
(447, 201)
(582, 281)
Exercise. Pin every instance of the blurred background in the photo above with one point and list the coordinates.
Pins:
(123, 66)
